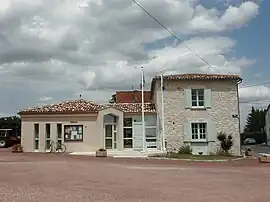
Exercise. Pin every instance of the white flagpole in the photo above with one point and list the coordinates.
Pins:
(162, 112)
(143, 123)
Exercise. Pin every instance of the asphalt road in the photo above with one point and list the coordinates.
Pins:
(35, 177)
(257, 149)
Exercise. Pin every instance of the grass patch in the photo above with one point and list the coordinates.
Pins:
(199, 157)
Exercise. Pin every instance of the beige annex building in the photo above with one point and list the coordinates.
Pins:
(84, 126)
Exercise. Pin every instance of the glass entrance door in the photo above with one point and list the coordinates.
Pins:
(110, 136)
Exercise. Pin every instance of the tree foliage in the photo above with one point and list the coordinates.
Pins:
(113, 99)
(12, 122)
(255, 120)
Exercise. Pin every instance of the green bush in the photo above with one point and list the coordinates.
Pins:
(185, 149)
(226, 142)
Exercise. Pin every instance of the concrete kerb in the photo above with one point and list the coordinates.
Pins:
(197, 160)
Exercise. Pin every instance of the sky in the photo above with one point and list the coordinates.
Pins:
(55, 50)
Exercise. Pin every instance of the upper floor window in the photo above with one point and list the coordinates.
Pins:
(197, 97)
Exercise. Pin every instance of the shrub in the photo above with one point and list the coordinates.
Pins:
(226, 142)
(185, 149)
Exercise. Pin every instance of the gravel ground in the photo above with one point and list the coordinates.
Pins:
(42, 177)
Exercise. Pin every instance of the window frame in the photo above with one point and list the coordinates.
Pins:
(153, 125)
(129, 138)
(59, 139)
(36, 136)
(69, 139)
(198, 100)
(199, 134)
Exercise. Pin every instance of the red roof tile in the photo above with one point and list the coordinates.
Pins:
(201, 77)
(66, 107)
(84, 106)
(134, 107)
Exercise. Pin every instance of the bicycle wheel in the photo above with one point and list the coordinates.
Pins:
(51, 148)
(62, 148)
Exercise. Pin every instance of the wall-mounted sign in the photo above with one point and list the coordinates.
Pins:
(73, 121)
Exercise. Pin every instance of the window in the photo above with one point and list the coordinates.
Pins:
(59, 133)
(3, 133)
(198, 131)
(197, 97)
(128, 136)
(36, 136)
(151, 131)
(48, 136)
(73, 133)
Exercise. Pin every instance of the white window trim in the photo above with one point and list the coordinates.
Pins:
(110, 138)
(128, 127)
(36, 138)
(62, 129)
(46, 138)
(199, 140)
(152, 138)
(197, 99)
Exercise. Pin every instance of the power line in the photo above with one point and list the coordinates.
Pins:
(170, 32)
(253, 101)
(258, 84)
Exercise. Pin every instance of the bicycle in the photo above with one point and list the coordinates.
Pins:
(57, 147)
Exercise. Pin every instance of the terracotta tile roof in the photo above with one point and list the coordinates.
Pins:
(66, 107)
(201, 77)
(84, 106)
(134, 107)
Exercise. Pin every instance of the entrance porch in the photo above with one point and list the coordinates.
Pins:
(124, 132)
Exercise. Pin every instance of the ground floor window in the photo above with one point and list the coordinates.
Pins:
(128, 138)
(151, 137)
(151, 131)
(198, 131)
(48, 136)
(36, 136)
(59, 133)
(128, 133)
(73, 133)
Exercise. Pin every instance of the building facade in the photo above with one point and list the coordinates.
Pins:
(84, 126)
(196, 107)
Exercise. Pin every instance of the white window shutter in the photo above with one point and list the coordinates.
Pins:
(207, 98)
(211, 131)
(187, 95)
(187, 132)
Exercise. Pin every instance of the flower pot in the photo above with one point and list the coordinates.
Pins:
(101, 153)
(17, 148)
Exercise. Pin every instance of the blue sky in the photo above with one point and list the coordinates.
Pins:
(253, 41)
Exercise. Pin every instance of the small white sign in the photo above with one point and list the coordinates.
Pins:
(73, 132)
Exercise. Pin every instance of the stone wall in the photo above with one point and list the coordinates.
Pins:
(224, 106)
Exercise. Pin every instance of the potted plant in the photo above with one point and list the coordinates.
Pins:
(101, 153)
(14, 148)
(17, 148)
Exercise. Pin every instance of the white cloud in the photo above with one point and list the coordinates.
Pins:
(45, 98)
(62, 48)
(254, 94)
